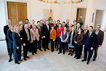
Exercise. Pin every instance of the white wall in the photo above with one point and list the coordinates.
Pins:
(2, 18)
(92, 6)
(60, 11)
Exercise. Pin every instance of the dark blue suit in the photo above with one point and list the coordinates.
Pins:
(89, 41)
(10, 43)
(14, 47)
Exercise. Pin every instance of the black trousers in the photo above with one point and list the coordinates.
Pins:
(39, 44)
(62, 47)
(52, 45)
(19, 53)
(25, 49)
(34, 46)
(95, 52)
(45, 44)
(7, 46)
(78, 51)
(87, 53)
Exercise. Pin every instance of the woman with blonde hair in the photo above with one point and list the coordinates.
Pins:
(10, 41)
(34, 39)
(16, 45)
(71, 41)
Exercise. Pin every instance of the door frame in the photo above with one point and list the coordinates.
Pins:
(6, 11)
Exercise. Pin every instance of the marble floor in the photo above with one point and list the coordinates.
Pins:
(52, 61)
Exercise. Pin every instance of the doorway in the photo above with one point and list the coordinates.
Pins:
(81, 15)
(16, 12)
(98, 18)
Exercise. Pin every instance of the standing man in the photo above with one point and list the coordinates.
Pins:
(89, 44)
(26, 39)
(5, 32)
(45, 34)
(99, 41)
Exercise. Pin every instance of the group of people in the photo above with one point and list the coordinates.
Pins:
(62, 36)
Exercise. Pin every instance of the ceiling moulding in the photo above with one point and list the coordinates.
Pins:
(61, 1)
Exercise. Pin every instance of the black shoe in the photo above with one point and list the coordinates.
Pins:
(56, 49)
(83, 60)
(69, 53)
(32, 53)
(44, 49)
(25, 59)
(75, 56)
(40, 49)
(63, 53)
(59, 53)
(78, 58)
(48, 48)
(17, 63)
(87, 62)
(94, 59)
(28, 57)
(10, 60)
(20, 60)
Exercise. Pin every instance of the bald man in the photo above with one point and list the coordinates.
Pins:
(6, 27)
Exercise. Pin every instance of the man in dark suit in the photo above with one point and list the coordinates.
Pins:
(89, 43)
(6, 27)
(26, 40)
(99, 41)
(45, 35)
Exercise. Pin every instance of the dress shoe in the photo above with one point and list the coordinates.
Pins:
(83, 60)
(10, 60)
(94, 59)
(87, 62)
(17, 63)
(28, 57)
(78, 58)
(69, 53)
(25, 59)
(59, 53)
(40, 49)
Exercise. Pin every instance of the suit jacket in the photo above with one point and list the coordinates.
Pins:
(16, 40)
(100, 38)
(34, 35)
(89, 41)
(79, 38)
(9, 38)
(5, 31)
(24, 36)
(45, 32)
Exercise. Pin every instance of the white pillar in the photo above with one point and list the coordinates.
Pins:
(2, 18)
(90, 10)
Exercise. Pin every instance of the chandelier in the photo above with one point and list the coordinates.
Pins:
(61, 1)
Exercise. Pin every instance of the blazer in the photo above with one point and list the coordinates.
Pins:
(16, 39)
(100, 38)
(5, 30)
(9, 38)
(79, 38)
(53, 34)
(59, 31)
(24, 36)
(45, 31)
(34, 35)
(70, 37)
(89, 41)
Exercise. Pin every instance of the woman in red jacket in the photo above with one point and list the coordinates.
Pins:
(58, 34)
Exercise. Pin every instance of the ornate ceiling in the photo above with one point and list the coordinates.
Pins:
(61, 1)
